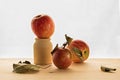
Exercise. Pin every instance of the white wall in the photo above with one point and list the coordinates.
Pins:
(95, 21)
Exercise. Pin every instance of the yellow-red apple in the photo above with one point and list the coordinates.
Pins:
(43, 26)
(80, 49)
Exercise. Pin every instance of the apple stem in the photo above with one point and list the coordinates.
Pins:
(68, 39)
(64, 45)
(56, 47)
(38, 15)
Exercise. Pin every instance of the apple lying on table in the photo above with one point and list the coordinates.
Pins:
(61, 57)
(42, 26)
(80, 49)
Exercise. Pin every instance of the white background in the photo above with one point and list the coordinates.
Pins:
(96, 22)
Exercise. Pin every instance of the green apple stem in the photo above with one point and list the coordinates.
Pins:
(68, 39)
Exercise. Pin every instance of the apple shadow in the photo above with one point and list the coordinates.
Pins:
(61, 71)
(80, 64)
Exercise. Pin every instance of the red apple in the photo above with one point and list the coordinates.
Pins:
(61, 57)
(42, 26)
(80, 49)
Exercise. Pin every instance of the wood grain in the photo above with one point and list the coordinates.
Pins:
(89, 70)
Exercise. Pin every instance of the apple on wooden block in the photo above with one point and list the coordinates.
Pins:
(43, 26)
(79, 48)
(61, 57)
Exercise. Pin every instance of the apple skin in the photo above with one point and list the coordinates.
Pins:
(62, 58)
(42, 26)
(83, 47)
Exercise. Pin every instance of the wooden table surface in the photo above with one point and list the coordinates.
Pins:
(89, 70)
